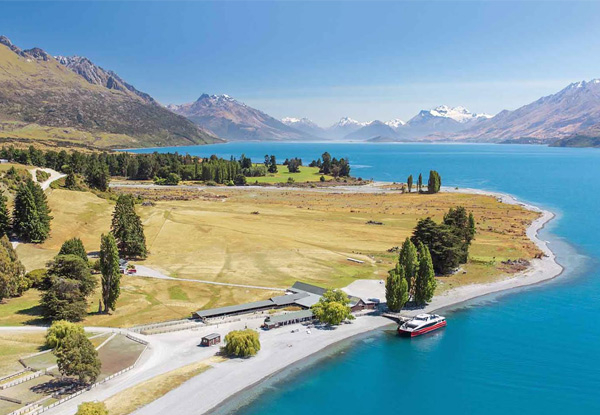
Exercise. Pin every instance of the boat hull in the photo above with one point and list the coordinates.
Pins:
(424, 330)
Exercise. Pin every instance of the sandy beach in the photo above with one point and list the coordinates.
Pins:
(282, 348)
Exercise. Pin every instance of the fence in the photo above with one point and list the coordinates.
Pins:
(140, 329)
(15, 374)
(31, 410)
(22, 379)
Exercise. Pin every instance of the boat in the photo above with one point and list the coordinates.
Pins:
(421, 324)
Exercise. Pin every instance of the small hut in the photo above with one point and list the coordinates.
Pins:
(211, 339)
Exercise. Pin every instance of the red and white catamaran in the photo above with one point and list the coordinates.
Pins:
(421, 324)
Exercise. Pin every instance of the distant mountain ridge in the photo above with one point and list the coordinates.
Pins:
(234, 120)
(574, 109)
(73, 99)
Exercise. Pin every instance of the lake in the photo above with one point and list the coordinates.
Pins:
(534, 350)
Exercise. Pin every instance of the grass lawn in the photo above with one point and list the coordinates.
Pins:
(306, 174)
(17, 345)
(296, 235)
(131, 399)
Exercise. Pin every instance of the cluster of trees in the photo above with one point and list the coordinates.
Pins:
(12, 273)
(271, 163)
(92, 408)
(293, 165)
(332, 308)
(241, 343)
(128, 230)
(434, 183)
(413, 277)
(75, 353)
(30, 220)
(332, 167)
(448, 241)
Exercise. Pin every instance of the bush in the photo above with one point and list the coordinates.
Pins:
(241, 343)
(291, 180)
(322, 178)
(92, 408)
(240, 180)
(58, 331)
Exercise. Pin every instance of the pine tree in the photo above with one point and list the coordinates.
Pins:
(420, 183)
(73, 246)
(127, 229)
(4, 217)
(425, 282)
(31, 219)
(407, 259)
(71, 181)
(409, 183)
(111, 274)
(435, 182)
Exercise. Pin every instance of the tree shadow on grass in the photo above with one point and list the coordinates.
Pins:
(37, 312)
(55, 385)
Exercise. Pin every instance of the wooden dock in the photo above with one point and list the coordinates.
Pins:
(395, 317)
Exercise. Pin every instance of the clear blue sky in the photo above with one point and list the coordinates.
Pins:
(326, 60)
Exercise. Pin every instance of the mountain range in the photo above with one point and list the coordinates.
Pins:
(71, 99)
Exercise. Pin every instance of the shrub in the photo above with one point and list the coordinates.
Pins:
(92, 408)
(37, 278)
(241, 343)
(240, 180)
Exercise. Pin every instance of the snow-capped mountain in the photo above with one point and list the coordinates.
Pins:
(373, 129)
(234, 120)
(305, 125)
(395, 123)
(442, 120)
(343, 127)
(458, 114)
(573, 110)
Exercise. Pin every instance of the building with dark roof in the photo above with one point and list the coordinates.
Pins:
(279, 320)
(211, 339)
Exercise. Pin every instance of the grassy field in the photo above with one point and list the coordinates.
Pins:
(306, 174)
(129, 400)
(15, 346)
(267, 237)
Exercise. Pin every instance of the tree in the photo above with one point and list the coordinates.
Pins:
(241, 343)
(71, 181)
(409, 183)
(239, 180)
(272, 165)
(294, 165)
(420, 183)
(127, 229)
(74, 246)
(92, 408)
(5, 225)
(332, 307)
(425, 282)
(58, 331)
(396, 289)
(97, 176)
(75, 268)
(111, 274)
(326, 163)
(443, 242)
(435, 182)
(31, 216)
(64, 300)
(77, 357)
(408, 260)
(12, 273)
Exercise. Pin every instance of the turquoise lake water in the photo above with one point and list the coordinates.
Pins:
(535, 350)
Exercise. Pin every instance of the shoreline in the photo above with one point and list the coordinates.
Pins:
(229, 380)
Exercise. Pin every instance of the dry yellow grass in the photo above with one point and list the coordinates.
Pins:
(133, 398)
(14, 346)
(296, 235)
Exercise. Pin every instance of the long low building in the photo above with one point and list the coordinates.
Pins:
(300, 295)
(279, 320)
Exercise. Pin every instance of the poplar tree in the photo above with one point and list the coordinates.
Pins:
(127, 229)
(4, 216)
(111, 274)
(409, 183)
(409, 261)
(420, 183)
(435, 182)
(396, 289)
(425, 282)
